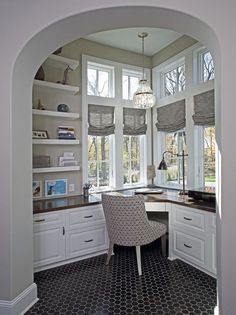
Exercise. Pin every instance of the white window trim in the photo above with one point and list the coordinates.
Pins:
(130, 73)
(118, 103)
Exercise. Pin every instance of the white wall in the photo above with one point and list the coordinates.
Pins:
(20, 22)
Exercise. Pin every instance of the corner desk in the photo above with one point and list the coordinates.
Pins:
(73, 228)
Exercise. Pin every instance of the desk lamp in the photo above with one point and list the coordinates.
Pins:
(163, 166)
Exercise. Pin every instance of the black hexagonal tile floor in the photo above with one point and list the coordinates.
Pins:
(89, 287)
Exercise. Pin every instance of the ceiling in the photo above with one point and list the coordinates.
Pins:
(128, 39)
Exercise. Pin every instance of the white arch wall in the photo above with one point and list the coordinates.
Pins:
(20, 21)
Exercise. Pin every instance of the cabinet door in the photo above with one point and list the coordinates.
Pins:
(49, 246)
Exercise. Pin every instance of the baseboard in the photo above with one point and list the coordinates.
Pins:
(20, 304)
(216, 310)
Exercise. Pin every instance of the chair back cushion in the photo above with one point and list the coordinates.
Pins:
(126, 219)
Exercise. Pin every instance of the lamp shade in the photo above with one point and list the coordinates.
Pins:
(143, 97)
(162, 166)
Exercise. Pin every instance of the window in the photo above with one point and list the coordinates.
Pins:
(100, 80)
(206, 66)
(99, 161)
(209, 156)
(174, 80)
(130, 81)
(131, 159)
(175, 143)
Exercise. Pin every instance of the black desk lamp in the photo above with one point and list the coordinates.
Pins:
(163, 166)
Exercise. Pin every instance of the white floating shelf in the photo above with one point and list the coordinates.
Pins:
(56, 169)
(69, 89)
(67, 115)
(55, 141)
(61, 62)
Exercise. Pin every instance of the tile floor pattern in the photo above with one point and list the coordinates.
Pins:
(89, 287)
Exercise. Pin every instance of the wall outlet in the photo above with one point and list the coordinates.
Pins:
(71, 187)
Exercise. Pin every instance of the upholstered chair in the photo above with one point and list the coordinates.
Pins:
(128, 224)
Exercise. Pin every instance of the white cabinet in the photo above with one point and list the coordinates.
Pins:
(49, 239)
(72, 233)
(192, 237)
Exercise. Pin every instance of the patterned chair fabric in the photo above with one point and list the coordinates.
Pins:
(127, 221)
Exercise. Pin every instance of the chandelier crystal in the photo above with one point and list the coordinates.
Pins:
(143, 97)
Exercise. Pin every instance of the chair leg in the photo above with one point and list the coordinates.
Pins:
(163, 245)
(110, 252)
(138, 256)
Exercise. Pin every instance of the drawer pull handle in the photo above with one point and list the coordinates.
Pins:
(88, 216)
(63, 230)
(188, 219)
(188, 246)
(88, 241)
(39, 220)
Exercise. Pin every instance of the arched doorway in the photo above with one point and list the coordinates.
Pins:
(30, 58)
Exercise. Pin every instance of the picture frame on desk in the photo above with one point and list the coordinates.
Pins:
(37, 189)
(56, 187)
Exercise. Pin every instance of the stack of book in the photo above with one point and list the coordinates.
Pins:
(67, 159)
(66, 133)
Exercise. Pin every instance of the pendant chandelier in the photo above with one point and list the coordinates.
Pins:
(143, 97)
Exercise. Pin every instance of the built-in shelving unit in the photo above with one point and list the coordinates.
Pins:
(56, 169)
(49, 113)
(56, 141)
(61, 62)
(69, 89)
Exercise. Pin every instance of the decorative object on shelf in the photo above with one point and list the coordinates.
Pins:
(86, 188)
(58, 51)
(40, 75)
(67, 159)
(144, 97)
(40, 161)
(66, 133)
(57, 187)
(40, 105)
(65, 76)
(37, 188)
(63, 108)
(163, 166)
(40, 134)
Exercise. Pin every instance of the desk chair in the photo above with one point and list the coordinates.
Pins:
(128, 225)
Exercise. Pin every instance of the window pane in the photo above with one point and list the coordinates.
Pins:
(133, 86)
(175, 143)
(135, 171)
(135, 149)
(131, 159)
(208, 67)
(92, 173)
(209, 156)
(92, 82)
(181, 78)
(103, 148)
(104, 174)
(103, 89)
(170, 80)
(125, 87)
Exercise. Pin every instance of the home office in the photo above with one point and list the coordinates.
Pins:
(115, 154)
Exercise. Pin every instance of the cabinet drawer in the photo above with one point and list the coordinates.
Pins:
(190, 218)
(83, 215)
(48, 220)
(155, 206)
(192, 248)
(81, 242)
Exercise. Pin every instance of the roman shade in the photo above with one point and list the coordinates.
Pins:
(134, 120)
(171, 117)
(204, 109)
(100, 120)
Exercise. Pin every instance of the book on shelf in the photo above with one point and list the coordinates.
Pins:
(65, 132)
(67, 159)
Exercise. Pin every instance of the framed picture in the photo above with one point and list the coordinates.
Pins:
(37, 188)
(40, 134)
(55, 187)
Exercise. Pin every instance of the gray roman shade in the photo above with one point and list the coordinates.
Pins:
(204, 109)
(134, 120)
(100, 120)
(171, 118)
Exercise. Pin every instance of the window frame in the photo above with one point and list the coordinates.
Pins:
(130, 73)
(105, 68)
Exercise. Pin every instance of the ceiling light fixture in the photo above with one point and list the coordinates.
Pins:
(143, 97)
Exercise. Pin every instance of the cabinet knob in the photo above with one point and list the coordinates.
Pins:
(188, 219)
(40, 220)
